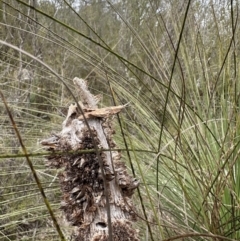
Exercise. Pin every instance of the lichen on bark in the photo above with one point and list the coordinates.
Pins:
(82, 150)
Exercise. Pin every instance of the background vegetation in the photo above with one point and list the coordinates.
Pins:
(176, 62)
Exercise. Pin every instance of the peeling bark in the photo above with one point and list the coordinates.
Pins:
(82, 179)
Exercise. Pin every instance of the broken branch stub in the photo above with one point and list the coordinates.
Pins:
(85, 174)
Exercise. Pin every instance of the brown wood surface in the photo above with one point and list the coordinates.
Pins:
(88, 178)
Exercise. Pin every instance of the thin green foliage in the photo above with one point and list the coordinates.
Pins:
(176, 64)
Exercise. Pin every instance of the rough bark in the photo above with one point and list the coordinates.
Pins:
(82, 150)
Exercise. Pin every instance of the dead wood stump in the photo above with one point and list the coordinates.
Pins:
(91, 171)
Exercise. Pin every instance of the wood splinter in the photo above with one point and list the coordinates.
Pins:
(83, 201)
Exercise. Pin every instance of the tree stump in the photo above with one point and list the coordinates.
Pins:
(94, 178)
